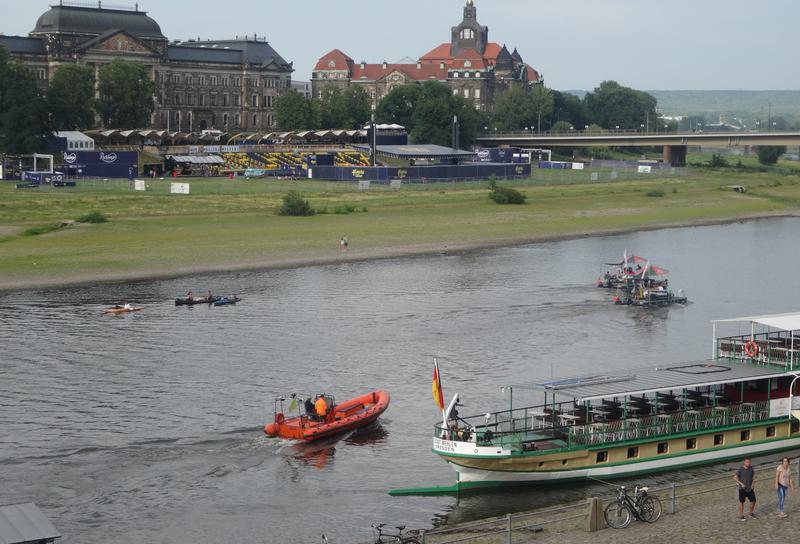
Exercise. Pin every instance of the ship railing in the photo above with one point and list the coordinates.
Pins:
(667, 424)
(774, 348)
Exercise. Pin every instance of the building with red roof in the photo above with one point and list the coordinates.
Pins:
(471, 65)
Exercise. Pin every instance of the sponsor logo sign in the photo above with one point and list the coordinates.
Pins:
(70, 157)
(108, 158)
(358, 173)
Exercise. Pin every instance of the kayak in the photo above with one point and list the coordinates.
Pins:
(192, 301)
(345, 416)
(120, 310)
(224, 301)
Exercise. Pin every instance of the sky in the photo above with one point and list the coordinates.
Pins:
(575, 44)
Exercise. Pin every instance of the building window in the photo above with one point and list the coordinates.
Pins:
(213, 80)
(455, 74)
(189, 80)
(202, 100)
(190, 99)
(770, 432)
(467, 34)
(691, 443)
(719, 439)
(176, 79)
(225, 99)
(602, 456)
(225, 120)
(744, 436)
(41, 74)
(466, 93)
(477, 93)
(455, 92)
(237, 82)
(237, 120)
(177, 126)
(225, 81)
(202, 81)
(663, 447)
(177, 99)
(255, 120)
(254, 100)
(236, 100)
(214, 99)
(319, 94)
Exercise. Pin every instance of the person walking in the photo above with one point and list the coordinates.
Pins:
(783, 483)
(745, 477)
(343, 243)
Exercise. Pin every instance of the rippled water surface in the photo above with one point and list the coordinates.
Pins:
(147, 427)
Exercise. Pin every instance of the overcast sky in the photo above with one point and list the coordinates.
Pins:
(576, 44)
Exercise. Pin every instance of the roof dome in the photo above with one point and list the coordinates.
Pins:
(96, 21)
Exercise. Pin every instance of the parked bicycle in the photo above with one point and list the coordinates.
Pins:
(625, 508)
(384, 538)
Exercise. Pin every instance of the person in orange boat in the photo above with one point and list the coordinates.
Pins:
(321, 407)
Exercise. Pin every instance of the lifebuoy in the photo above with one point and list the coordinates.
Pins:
(279, 419)
(750, 349)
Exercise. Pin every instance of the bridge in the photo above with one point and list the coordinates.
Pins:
(674, 144)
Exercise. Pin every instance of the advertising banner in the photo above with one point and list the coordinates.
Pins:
(179, 188)
(101, 164)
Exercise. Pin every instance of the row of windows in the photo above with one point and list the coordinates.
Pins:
(474, 93)
(226, 81)
(465, 74)
(691, 444)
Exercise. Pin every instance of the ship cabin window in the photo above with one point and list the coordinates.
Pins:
(770, 431)
(663, 447)
(745, 436)
(691, 443)
(633, 452)
(795, 426)
(719, 439)
(602, 456)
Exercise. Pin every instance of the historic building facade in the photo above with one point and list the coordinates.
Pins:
(469, 64)
(228, 85)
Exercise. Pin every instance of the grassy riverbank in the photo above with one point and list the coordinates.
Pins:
(228, 224)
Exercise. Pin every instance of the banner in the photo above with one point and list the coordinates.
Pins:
(179, 188)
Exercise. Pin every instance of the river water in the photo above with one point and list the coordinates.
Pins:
(147, 427)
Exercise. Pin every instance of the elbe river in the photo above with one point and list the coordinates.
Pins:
(148, 427)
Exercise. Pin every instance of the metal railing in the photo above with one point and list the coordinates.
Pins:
(773, 349)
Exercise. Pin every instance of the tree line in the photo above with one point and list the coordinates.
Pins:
(120, 96)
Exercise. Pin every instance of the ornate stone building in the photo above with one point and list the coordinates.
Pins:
(228, 85)
(469, 64)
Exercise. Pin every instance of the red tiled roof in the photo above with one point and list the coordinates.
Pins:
(340, 60)
(475, 63)
(440, 53)
(374, 72)
(533, 75)
(492, 50)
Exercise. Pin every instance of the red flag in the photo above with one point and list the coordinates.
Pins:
(436, 387)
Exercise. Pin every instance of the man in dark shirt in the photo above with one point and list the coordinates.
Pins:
(745, 477)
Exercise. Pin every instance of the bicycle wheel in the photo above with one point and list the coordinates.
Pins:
(650, 509)
(618, 515)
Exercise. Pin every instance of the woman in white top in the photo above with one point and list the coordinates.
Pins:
(783, 482)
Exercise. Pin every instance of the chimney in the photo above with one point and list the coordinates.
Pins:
(384, 65)
(363, 64)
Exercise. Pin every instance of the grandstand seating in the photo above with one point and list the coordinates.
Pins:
(289, 160)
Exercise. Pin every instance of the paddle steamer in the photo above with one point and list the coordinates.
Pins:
(742, 402)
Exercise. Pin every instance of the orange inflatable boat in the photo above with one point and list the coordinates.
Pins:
(341, 417)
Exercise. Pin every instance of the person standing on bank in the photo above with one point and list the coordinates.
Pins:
(745, 477)
(783, 483)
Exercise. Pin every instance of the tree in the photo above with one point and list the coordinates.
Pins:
(569, 108)
(23, 110)
(769, 154)
(70, 97)
(126, 94)
(513, 110)
(542, 103)
(358, 107)
(611, 105)
(398, 106)
(348, 109)
(296, 112)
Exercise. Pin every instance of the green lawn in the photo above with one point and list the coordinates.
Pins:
(226, 223)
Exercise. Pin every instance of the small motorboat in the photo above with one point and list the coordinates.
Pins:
(345, 416)
(225, 301)
(116, 310)
(191, 301)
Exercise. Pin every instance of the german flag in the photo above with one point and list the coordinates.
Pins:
(436, 387)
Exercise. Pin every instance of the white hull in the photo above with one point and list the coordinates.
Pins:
(467, 474)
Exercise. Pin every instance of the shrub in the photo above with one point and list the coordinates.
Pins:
(769, 154)
(36, 231)
(718, 161)
(93, 217)
(295, 205)
(505, 195)
(364, 209)
(657, 193)
(344, 209)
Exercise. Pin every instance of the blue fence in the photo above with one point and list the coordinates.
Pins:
(119, 164)
(422, 174)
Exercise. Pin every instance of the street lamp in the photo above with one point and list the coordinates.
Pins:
(642, 125)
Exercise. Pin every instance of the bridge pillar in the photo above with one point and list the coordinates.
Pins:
(675, 155)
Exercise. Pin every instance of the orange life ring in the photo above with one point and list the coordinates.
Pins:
(750, 349)
(279, 419)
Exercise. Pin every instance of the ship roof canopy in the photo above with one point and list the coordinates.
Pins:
(783, 322)
(654, 379)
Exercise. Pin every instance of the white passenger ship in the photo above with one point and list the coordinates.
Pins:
(742, 402)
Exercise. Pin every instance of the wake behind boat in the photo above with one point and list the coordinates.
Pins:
(323, 417)
(740, 403)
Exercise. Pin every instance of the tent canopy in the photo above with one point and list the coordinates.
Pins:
(783, 322)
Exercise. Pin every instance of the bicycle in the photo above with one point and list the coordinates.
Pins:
(395, 537)
(624, 509)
